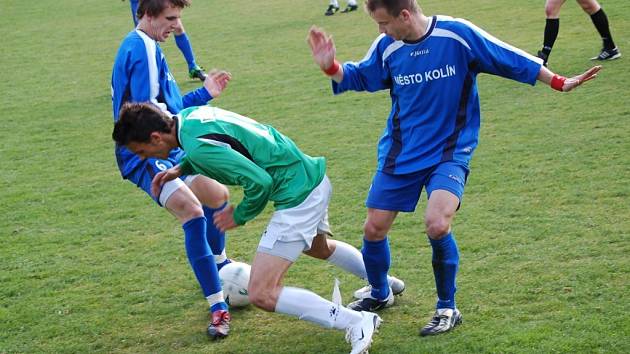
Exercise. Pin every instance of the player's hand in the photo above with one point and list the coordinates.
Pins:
(573, 82)
(224, 219)
(163, 177)
(322, 47)
(216, 81)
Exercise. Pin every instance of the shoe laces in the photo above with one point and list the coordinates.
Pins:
(220, 317)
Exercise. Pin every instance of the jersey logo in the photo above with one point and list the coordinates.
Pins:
(429, 75)
(419, 52)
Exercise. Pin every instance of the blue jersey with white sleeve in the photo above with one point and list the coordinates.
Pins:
(141, 74)
(435, 112)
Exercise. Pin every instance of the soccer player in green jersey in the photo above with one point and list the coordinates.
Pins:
(236, 150)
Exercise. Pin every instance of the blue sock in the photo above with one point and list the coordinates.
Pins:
(215, 238)
(376, 259)
(445, 263)
(134, 10)
(183, 43)
(201, 259)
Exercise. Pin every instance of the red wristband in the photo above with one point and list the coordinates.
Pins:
(557, 82)
(333, 68)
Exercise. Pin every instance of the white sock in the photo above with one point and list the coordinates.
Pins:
(220, 258)
(352, 2)
(334, 3)
(349, 259)
(308, 306)
(215, 298)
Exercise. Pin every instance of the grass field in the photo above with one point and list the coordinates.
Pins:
(89, 264)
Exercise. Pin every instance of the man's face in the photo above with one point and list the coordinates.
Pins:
(161, 26)
(156, 147)
(395, 27)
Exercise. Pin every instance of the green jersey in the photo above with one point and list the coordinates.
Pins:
(236, 150)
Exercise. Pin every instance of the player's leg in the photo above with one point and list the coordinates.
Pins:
(183, 43)
(388, 195)
(180, 201)
(185, 206)
(552, 27)
(348, 258)
(352, 6)
(213, 196)
(332, 8)
(134, 11)
(600, 21)
(376, 257)
(267, 292)
(445, 189)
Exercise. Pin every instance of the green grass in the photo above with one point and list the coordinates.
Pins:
(89, 264)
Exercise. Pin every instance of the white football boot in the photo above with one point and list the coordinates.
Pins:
(360, 335)
(397, 285)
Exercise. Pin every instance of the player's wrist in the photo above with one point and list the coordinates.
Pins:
(333, 69)
(557, 82)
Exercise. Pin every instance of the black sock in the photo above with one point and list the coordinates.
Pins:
(601, 23)
(552, 27)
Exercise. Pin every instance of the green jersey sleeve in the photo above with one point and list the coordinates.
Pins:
(230, 167)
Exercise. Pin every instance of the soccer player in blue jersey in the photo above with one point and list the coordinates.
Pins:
(182, 41)
(429, 65)
(141, 74)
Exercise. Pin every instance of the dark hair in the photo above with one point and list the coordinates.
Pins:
(393, 7)
(154, 8)
(137, 121)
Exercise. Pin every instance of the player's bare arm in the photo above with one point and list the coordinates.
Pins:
(563, 84)
(324, 51)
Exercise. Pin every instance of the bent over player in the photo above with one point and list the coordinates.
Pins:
(430, 67)
(236, 150)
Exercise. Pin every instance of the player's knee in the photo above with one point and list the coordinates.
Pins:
(590, 7)
(262, 298)
(213, 193)
(221, 194)
(186, 208)
(192, 209)
(374, 231)
(436, 227)
(552, 10)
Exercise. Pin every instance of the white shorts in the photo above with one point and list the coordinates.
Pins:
(300, 224)
(171, 186)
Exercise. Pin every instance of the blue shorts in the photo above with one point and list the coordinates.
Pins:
(402, 192)
(143, 174)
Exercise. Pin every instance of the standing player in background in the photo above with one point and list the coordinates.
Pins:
(600, 21)
(334, 7)
(429, 65)
(236, 150)
(141, 74)
(182, 41)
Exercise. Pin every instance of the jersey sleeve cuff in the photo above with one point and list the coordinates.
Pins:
(204, 94)
(185, 167)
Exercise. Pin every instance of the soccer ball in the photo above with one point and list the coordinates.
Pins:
(234, 278)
